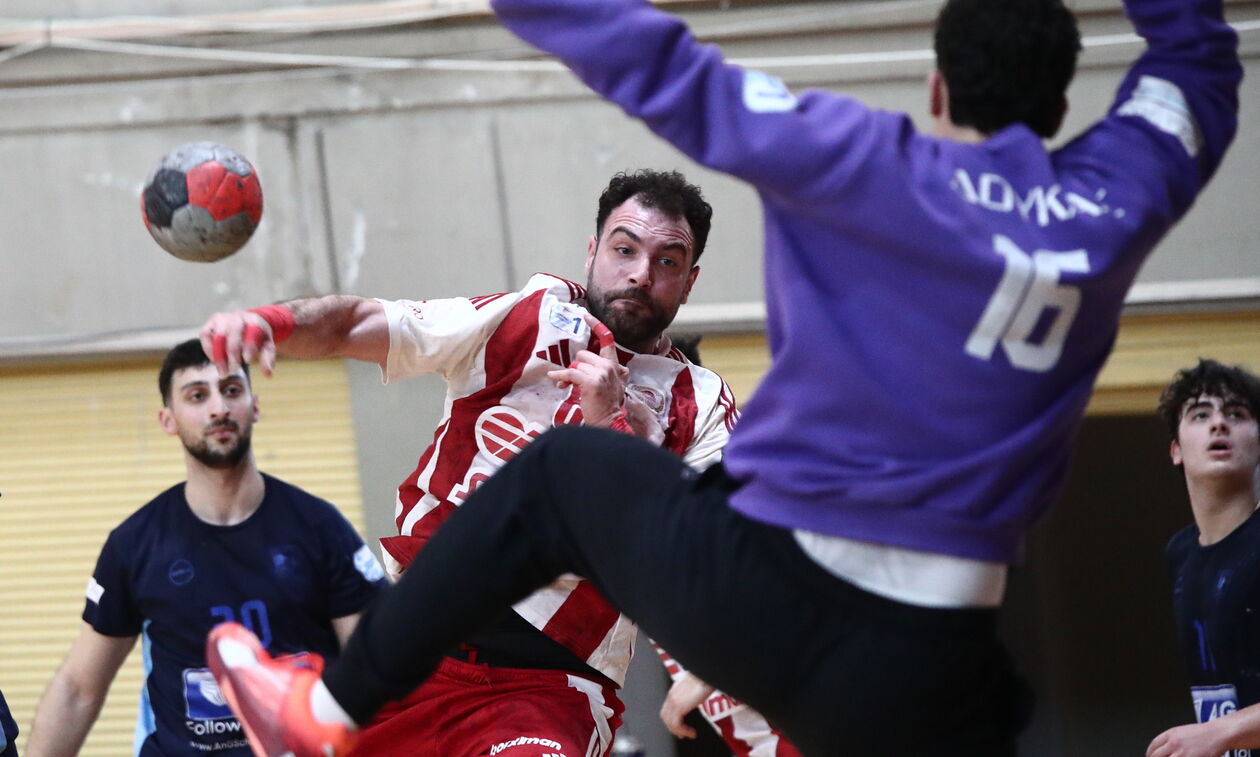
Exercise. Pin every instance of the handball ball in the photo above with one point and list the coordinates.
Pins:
(202, 202)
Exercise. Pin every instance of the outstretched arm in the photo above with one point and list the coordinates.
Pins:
(739, 121)
(74, 697)
(1185, 84)
(338, 325)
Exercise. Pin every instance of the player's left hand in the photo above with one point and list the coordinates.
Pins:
(684, 696)
(599, 378)
(1196, 740)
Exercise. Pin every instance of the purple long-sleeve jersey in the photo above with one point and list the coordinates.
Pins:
(937, 311)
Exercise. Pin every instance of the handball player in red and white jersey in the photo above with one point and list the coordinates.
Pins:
(541, 679)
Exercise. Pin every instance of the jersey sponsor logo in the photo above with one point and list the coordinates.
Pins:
(524, 741)
(203, 700)
(94, 591)
(180, 572)
(567, 318)
(216, 728)
(1039, 205)
(366, 563)
(764, 93)
(1162, 104)
(502, 432)
(475, 479)
(1212, 702)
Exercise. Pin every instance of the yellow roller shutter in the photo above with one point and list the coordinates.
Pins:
(80, 450)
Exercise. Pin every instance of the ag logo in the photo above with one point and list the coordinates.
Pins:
(502, 432)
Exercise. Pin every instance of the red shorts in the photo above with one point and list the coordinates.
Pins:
(467, 710)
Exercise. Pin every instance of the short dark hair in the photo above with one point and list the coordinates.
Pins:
(1007, 61)
(666, 191)
(184, 355)
(1213, 379)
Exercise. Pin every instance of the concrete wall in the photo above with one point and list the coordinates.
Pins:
(424, 183)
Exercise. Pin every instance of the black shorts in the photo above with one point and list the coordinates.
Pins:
(838, 669)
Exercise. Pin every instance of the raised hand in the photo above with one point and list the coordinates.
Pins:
(232, 339)
(599, 378)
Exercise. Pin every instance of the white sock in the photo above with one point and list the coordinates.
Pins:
(325, 708)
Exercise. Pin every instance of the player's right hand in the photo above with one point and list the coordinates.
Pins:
(599, 378)
(684, 696)
(237, 338)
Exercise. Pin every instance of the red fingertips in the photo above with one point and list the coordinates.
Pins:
(219, 347)
(604, 336)
(252, 335)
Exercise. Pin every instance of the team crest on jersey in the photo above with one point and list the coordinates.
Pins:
(285, 560)
(654, 400)
(203, 700)
(502, 432)
(180, 572)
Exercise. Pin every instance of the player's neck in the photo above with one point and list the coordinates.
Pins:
(943, 127)
(1219, 508)
(224, 497)
(653, 346)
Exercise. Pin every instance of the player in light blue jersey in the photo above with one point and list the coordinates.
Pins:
(229, 544)
(938, 308)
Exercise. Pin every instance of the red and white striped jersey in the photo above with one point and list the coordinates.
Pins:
(494, 353)
(745, 731)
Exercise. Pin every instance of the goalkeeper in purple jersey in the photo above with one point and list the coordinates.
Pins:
(938, 308)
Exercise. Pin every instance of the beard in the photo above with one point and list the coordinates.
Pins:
(219, 458)
(629, 327)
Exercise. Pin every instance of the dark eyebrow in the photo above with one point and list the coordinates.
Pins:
(635, 237)
(235, 378)
(625, 231)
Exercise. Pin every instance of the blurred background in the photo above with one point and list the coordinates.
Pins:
(416, 150)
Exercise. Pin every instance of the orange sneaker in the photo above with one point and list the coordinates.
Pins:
(272, 697)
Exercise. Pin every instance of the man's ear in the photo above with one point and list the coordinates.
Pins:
(592, 245)
(166, 419)
(691, 281)
(938, 97)
(1174, 452)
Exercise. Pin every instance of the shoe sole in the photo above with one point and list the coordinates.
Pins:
(226, 655)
